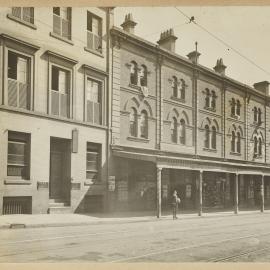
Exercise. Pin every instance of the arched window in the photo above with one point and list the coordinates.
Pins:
(214, 138)
(174, 130)
(238, 143)
(238, 105)
(233, 142)
(175, 86)
(143, 76)
(259, 116)
(134, 73)
(213, 100)
(255, 114)
(260, 146)
(207, 136)
(133, 122)
(182, 131)
(233, 106)
(183, 89)
(144, 124)
(255, 145)
(207, 98)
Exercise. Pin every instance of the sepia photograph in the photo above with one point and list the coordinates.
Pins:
(134, 134)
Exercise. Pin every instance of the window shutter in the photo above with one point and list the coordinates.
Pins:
(12, 93)
(16, 12)
(89, 21)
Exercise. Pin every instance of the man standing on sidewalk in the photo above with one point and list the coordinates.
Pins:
(175, 201)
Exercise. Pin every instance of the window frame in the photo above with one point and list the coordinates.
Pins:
(182, 139)
(146, 125)
(19, 138)
(20, 19)
(135, 123)
(98, 152)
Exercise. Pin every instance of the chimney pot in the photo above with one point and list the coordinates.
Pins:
(220, 67)
(129, 24)
(167, 40)
(262, 87)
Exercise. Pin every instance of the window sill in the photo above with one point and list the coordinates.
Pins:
(235, 116)
(94, 52)
(235, 154)
(210, 109)
(210, 150)
(137, 139)
(134, 86)
(13, 18)
(178, 99)
(17, 181)
(61, 38)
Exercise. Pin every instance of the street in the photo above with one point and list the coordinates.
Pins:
(231, 238)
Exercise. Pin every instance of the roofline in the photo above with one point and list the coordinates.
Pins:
(176, 57)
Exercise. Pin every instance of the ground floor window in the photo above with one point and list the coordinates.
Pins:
(93, 158)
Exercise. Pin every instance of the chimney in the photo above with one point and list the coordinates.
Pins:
(167, 40)
(194, 57)
(262, 86)
(129, 25)
(220, 67)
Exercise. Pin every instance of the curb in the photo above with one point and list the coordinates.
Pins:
(109, 222)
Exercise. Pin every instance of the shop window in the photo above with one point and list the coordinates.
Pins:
(133, 122)
(60, 90)
(134, 73)
(207, 136)
(214, 138)
(144, 124)
(233, 142)
(93, 158)
(18, 155)
(25, 14)
(94, 32)
(182, 131)
(93, 101)
(62, 21)
(238, 143)
(143, 76)
(175, 86)
(18, 81)
(174, 130)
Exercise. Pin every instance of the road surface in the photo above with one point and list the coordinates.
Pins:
(243, 238)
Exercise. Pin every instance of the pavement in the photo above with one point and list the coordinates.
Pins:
(60, 220)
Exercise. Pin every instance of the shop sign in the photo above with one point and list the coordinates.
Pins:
(111, 183)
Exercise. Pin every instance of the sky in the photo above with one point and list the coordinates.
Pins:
(246, 29)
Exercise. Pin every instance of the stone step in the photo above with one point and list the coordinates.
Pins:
(59, 210)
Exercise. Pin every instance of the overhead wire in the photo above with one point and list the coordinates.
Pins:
(223, 42)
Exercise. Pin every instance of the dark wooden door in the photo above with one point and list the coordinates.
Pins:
(56, 175)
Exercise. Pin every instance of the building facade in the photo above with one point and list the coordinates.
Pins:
(53, 109)
(177, 125)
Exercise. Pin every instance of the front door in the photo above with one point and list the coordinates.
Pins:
(56, 175)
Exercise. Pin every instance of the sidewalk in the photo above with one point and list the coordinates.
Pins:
(59, 220)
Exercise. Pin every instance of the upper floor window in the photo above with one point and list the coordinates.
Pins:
(258, 142)
(18, 80)
(60, 91)
(25, 14)
(182, 131)
(93, 157)
(134, 73)
(144, 124)
(94, 32)
(238, 143)
(18, 158)
(182, 93)
(259, 116)
(133, 122)
(175, 87)
(210, 99)
(62, 21)
(143, 76)
(233, 142)
(93, 101)
(214, 138)
(255, 111)
(174, 130)
(235, 107)
(207, 137)
(238, 105)
(260, 146)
